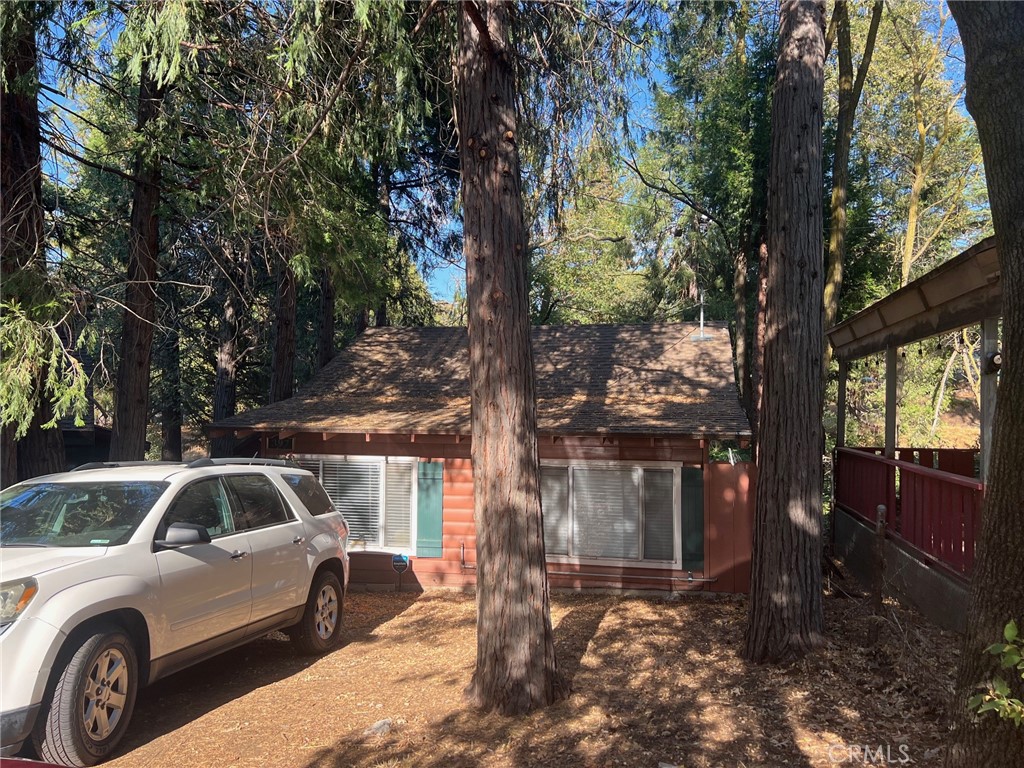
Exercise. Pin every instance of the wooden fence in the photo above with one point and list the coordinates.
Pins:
(934, 514)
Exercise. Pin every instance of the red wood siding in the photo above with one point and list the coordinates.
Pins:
(729, 495)
(728, 499)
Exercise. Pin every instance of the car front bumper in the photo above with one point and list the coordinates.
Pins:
(15, 728)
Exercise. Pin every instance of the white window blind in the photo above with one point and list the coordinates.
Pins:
(659, 541)
(606, 513)
(554, 501)
(398, 505)
(355, 490)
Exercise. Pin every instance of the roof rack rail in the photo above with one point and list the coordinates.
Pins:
(116, 464)
(255, 461)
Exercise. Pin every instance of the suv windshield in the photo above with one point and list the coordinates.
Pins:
(98, 514)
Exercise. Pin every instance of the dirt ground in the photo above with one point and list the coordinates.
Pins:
(655, 683)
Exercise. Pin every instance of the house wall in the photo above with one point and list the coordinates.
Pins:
(728, 510)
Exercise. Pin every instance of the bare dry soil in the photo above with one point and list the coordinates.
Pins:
(655, 683)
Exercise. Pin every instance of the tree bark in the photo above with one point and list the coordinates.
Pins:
(170, 400)
(22, 238)
(849, 97)
(282, 367)
(516, 669)
(325, 325)
(760, 334)
(992, 34)
(225, 381)
(785, 617)
(739, 299)
(131, 408)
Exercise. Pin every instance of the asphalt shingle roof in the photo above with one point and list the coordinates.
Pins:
(636, 379)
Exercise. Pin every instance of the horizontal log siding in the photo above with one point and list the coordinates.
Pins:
(728, 499)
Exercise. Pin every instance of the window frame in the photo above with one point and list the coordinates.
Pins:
(677, 530)
(238, 506)
(356, 544)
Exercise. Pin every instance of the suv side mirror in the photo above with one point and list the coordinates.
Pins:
(181, 534)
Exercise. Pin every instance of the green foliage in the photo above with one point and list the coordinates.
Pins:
(996, 696)
(35, 364)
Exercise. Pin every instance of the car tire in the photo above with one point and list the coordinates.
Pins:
(91, 702)
(319, 629)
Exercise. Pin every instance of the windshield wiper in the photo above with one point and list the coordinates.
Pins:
(20, 544)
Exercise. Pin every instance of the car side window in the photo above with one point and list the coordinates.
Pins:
(259, 503)
(311, 494)
(204, 503)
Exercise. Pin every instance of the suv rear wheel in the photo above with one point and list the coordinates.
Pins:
(319, 630)
(92, 701)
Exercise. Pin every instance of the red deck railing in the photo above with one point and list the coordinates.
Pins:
(934, 513)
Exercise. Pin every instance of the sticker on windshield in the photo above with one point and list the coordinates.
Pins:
(99, 541)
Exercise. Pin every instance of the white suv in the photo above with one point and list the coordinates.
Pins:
(112, 576)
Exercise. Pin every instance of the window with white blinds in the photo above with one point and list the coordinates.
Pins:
(606, 513)
(398, 480)
(554, 502)
(376, 497)
(615, 513)
(659, 534)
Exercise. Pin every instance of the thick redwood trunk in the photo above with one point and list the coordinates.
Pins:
(41, 451)
(992, 35)
(785, 618)
(515, 663)
(22, 241)
(131, 408)
(282, 367)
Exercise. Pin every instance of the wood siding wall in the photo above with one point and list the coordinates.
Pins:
(728, 500)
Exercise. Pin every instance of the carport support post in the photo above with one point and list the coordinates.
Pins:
(890, 402)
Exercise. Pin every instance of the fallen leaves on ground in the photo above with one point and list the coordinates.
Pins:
(655, 682)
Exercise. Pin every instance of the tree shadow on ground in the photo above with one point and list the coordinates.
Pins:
(172, 702)
(629, 706)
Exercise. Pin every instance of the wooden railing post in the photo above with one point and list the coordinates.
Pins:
(879, 575)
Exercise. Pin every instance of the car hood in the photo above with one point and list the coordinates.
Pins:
(22, 562)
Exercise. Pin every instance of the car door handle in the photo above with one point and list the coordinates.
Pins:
(238, 555)
(298, 540)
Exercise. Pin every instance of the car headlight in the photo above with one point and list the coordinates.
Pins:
(14, 598)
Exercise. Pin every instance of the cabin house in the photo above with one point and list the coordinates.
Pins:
(628, 418)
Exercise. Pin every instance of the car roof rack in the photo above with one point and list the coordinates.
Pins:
(116, 464)
(255, 461)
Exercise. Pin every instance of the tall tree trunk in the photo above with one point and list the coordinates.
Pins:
(760, 334)
(131, 407)
(515, 662)
(225, 380)
(41, 451)
(282, 367)
(849, 98)
(739, 299)
(785, 618)
(8, 457)
(992, 33)
(170, 397)
(325, 324)
(22, 239)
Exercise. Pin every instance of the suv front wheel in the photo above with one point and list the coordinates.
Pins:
(319, 629)
(92, 701)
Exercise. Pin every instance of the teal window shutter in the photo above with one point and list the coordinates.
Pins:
(693, 518)
(430, 491)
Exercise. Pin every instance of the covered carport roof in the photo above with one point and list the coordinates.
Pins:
(962, 291)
